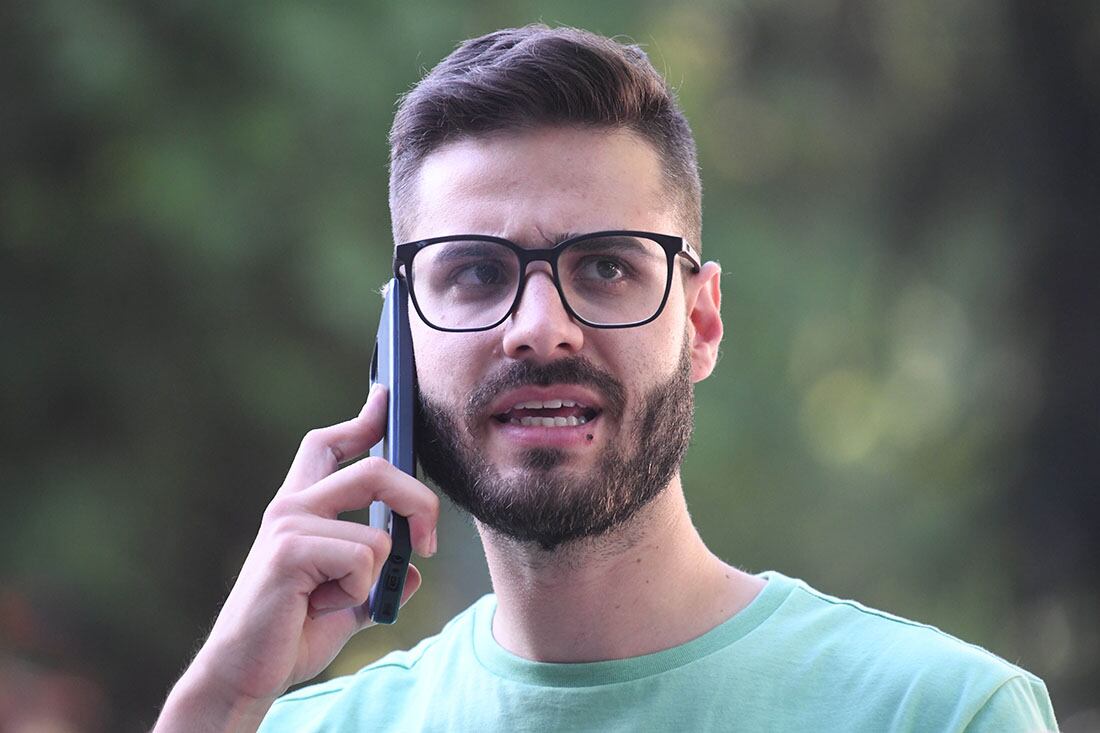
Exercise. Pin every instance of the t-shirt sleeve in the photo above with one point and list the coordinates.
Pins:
(300, 715)
(1020, 705)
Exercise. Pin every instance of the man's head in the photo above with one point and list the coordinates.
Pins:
(525, 78)
(539, 172)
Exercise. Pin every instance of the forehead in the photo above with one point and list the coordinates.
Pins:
(541, 183)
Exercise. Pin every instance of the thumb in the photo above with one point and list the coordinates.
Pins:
(412, 584)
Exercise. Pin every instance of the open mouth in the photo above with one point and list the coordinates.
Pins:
(553, 413)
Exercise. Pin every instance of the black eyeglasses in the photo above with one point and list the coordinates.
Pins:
(472, 282)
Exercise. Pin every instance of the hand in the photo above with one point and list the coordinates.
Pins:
(302, 591)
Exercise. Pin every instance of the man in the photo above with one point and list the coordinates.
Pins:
(546, 184)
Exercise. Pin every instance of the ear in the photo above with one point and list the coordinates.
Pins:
(704, 304)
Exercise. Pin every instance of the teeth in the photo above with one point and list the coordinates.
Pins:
(546, 404)
(549, 422)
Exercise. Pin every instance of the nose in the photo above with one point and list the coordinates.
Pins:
(540, 327)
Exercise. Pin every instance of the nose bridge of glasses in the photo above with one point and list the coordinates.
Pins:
(539, 291)
(533, 262)
(531, 283)
(536, 266)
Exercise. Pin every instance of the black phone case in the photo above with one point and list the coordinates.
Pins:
(392, 366)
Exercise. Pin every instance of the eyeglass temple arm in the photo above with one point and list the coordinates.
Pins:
(689, 253)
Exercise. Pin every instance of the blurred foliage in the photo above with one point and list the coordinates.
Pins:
(193, 227)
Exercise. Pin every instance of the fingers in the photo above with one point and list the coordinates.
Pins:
(332, 596)
(317, 551)
(318, 484)
(324, 449)
(373, 479)
(343, 572)
(308, 525)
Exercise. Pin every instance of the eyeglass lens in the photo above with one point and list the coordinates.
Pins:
(610, 280)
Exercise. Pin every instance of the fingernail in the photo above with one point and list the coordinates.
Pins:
(434, 544)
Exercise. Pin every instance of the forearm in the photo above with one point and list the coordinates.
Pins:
(195, 705)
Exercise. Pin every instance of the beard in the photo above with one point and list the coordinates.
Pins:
(538, 503)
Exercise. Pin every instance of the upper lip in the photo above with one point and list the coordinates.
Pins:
(508, 401)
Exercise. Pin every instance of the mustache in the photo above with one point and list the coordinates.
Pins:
(570, 370)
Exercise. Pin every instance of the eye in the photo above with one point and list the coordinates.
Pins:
(609, 270)
(479, 273)
(603, 269)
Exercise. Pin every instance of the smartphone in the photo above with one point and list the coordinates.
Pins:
(392, 366)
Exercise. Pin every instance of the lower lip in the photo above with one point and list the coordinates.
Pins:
(537, 436)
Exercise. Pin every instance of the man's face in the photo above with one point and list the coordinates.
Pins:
(625, 394)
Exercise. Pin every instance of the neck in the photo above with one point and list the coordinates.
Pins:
(646, 586)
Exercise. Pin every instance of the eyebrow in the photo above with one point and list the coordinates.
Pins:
(564, 236)
(545, 242)
(622, 243)
(461, 249)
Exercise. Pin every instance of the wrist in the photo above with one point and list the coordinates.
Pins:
(199, 702)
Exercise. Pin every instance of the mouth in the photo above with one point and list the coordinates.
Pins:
(548, 413)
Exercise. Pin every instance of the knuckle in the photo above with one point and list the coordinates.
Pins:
(281, 526)
(311, 438)
(275, 511)
(433, 505)
(357, 587)
(372, 465)
(319, 441)
(363, 556)
(279, 510)
(283, 551)
(380, 541)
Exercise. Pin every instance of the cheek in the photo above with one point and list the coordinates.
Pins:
(654, 350)
(447, 364)
(641, 357)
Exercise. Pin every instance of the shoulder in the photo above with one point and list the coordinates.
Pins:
(844, 628)
(396, 678)
(914, 666)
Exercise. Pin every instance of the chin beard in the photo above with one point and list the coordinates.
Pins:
(540, 503)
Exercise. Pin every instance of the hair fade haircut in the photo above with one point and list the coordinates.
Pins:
(524, 78)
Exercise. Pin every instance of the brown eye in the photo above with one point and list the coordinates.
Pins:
(608, 270)
(602, 270)
(480, 273)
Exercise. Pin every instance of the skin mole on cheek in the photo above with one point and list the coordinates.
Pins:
(589, 436)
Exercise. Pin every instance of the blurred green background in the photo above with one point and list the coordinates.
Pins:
(193, 227)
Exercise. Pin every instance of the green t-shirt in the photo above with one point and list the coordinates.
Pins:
(793, 660)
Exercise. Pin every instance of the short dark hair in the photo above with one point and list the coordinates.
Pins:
(524, 78)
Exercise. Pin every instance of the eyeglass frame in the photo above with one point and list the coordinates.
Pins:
(673, 246)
